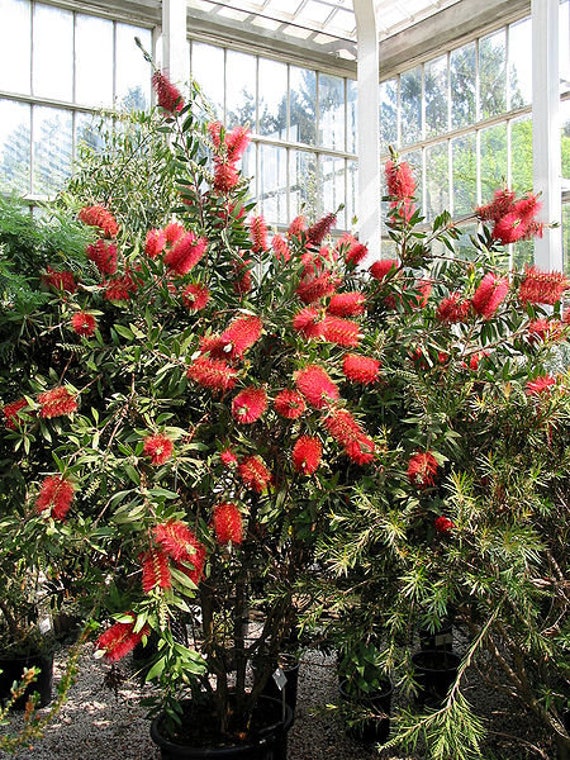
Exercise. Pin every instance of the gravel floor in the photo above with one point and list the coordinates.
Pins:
(95, 725)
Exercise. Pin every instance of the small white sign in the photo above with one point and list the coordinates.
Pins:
(45, 625)
(280, 679)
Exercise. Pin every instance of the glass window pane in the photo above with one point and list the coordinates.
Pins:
(566, 236)
(14, 147)
(133, 72)
(411, 105)
(331, 112)
(437, 180)
(272, 184)
(464, 174)
(93, 61)
(303, 188)
(388, 114)
(520, 64)
(15, 51)
(435, 93)
(272, 99)
(240, 89)
(416, 164)
(208, 71)
(53, 53)
(493, 160)
(565, 138)
(493, 74)
(521, 152)
(332, 176)
(351, 115)
(564, 42)
(51, 149)
(89, 131)
(462, 76)
(302, 105)
(351, 193)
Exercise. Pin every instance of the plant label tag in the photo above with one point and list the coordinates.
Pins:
(280, 679)
(44, 625)
(442, 639)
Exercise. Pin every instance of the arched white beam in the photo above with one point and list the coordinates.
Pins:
(548, 252)
(368, 203)
(175, 59)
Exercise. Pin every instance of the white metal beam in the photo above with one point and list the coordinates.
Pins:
(175, 57)
(548, 251)
(368, 203)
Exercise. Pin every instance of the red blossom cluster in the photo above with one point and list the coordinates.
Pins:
(540, 287)
(422, 469)
(513, 219)
(121, 638)
(57, 402)
(401, 187)
(167, 94)
(100, 217)
(229, 149)
(63, 280)
(104, 255)
(183, 547)
(306, 454)
(348, 432)
(56, 494)
(489, 295)
(83, 324)
(227, 522)
(12, 411)
(158, 448)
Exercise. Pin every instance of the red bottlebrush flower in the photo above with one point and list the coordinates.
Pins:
(308, 322)
(341, 331)
(539, 385)
(212, 373)
(167, 95)
(63, 280)
(158, 448)
(361, 369)
(289, 404)
(422, 469)
(11, 412)
(443, 525)
(237, 141)
(400, 181)
(240, 335)
(249, 405)
(490, 294)
(56, 495)
(350, 435)
(542, 287)
(316, 386)
(175, 538)
(380, 269)
(502, 203)
(509, 229)
(154, 243)
(353, 250)
(226, 176)
(57, 402)
(195, 297)
(254, 474)
(120, 288)
(318, 231)
(173, 231)
(474, 360)
(83, 323)
(306, 454)
(228, 457)
(215, 132)
(297, 227)
(311, 288)
(155, 570)
(185, 253)
(280, 248)
(541, 329)
(242, 285)
(104, 256)
(452, 310)
(193, 562)
(423, 291)
(120, 639)
(258, 234)
(347, 304)
(99, 216)
(228, 523)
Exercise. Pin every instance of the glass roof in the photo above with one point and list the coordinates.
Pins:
(321, 22)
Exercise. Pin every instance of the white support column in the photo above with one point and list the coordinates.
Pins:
(175, 60)
(548, 253)
(368, 126)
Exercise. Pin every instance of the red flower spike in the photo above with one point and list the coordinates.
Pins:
(353, 250)
(195, 297)
(158, 448)
(400, 181)
(350, 435)
(540, 287)
(422, 469)
(361, 369)
(280, 248)
(228, 458)
(341, 331)
(175, 538)
(490, 294)
(215, 132)
(452, 309)
(237, 141)
(308, 323)
(306, 455)
(240, 335)
(167, 95)
(316, 386)
(83, 324)
(311, 289)
(297, 227)
(510, 229)
(173, 231)
(193, 562)
(226, 176)
(318, 231)
(443, 525)
(63, 280)
(249, 405)
(104, 256)
(99, 216)
(57, 402)
(228, 523)
(155, 570)
(254, 474)
(380, 269)
(154, 243)
(185, 253)
(212, 373)
(11, 413)
(56, 495)
(258, 234)
(121, 288)
(501, 204)
(289, 404)
(120, 639)
(541, 329)
(540, 385)
(347, 304)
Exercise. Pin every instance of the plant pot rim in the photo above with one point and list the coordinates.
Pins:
(385, 688)
(451, 659)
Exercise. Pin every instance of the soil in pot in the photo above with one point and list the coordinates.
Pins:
(197, 740)
(435, 670)
(374, 727)
(12, 667)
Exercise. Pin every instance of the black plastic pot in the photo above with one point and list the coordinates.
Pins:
(290, 666)
(436, 670)
(378, 704)
(12, 667)
(268, 743)
(441, 639)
